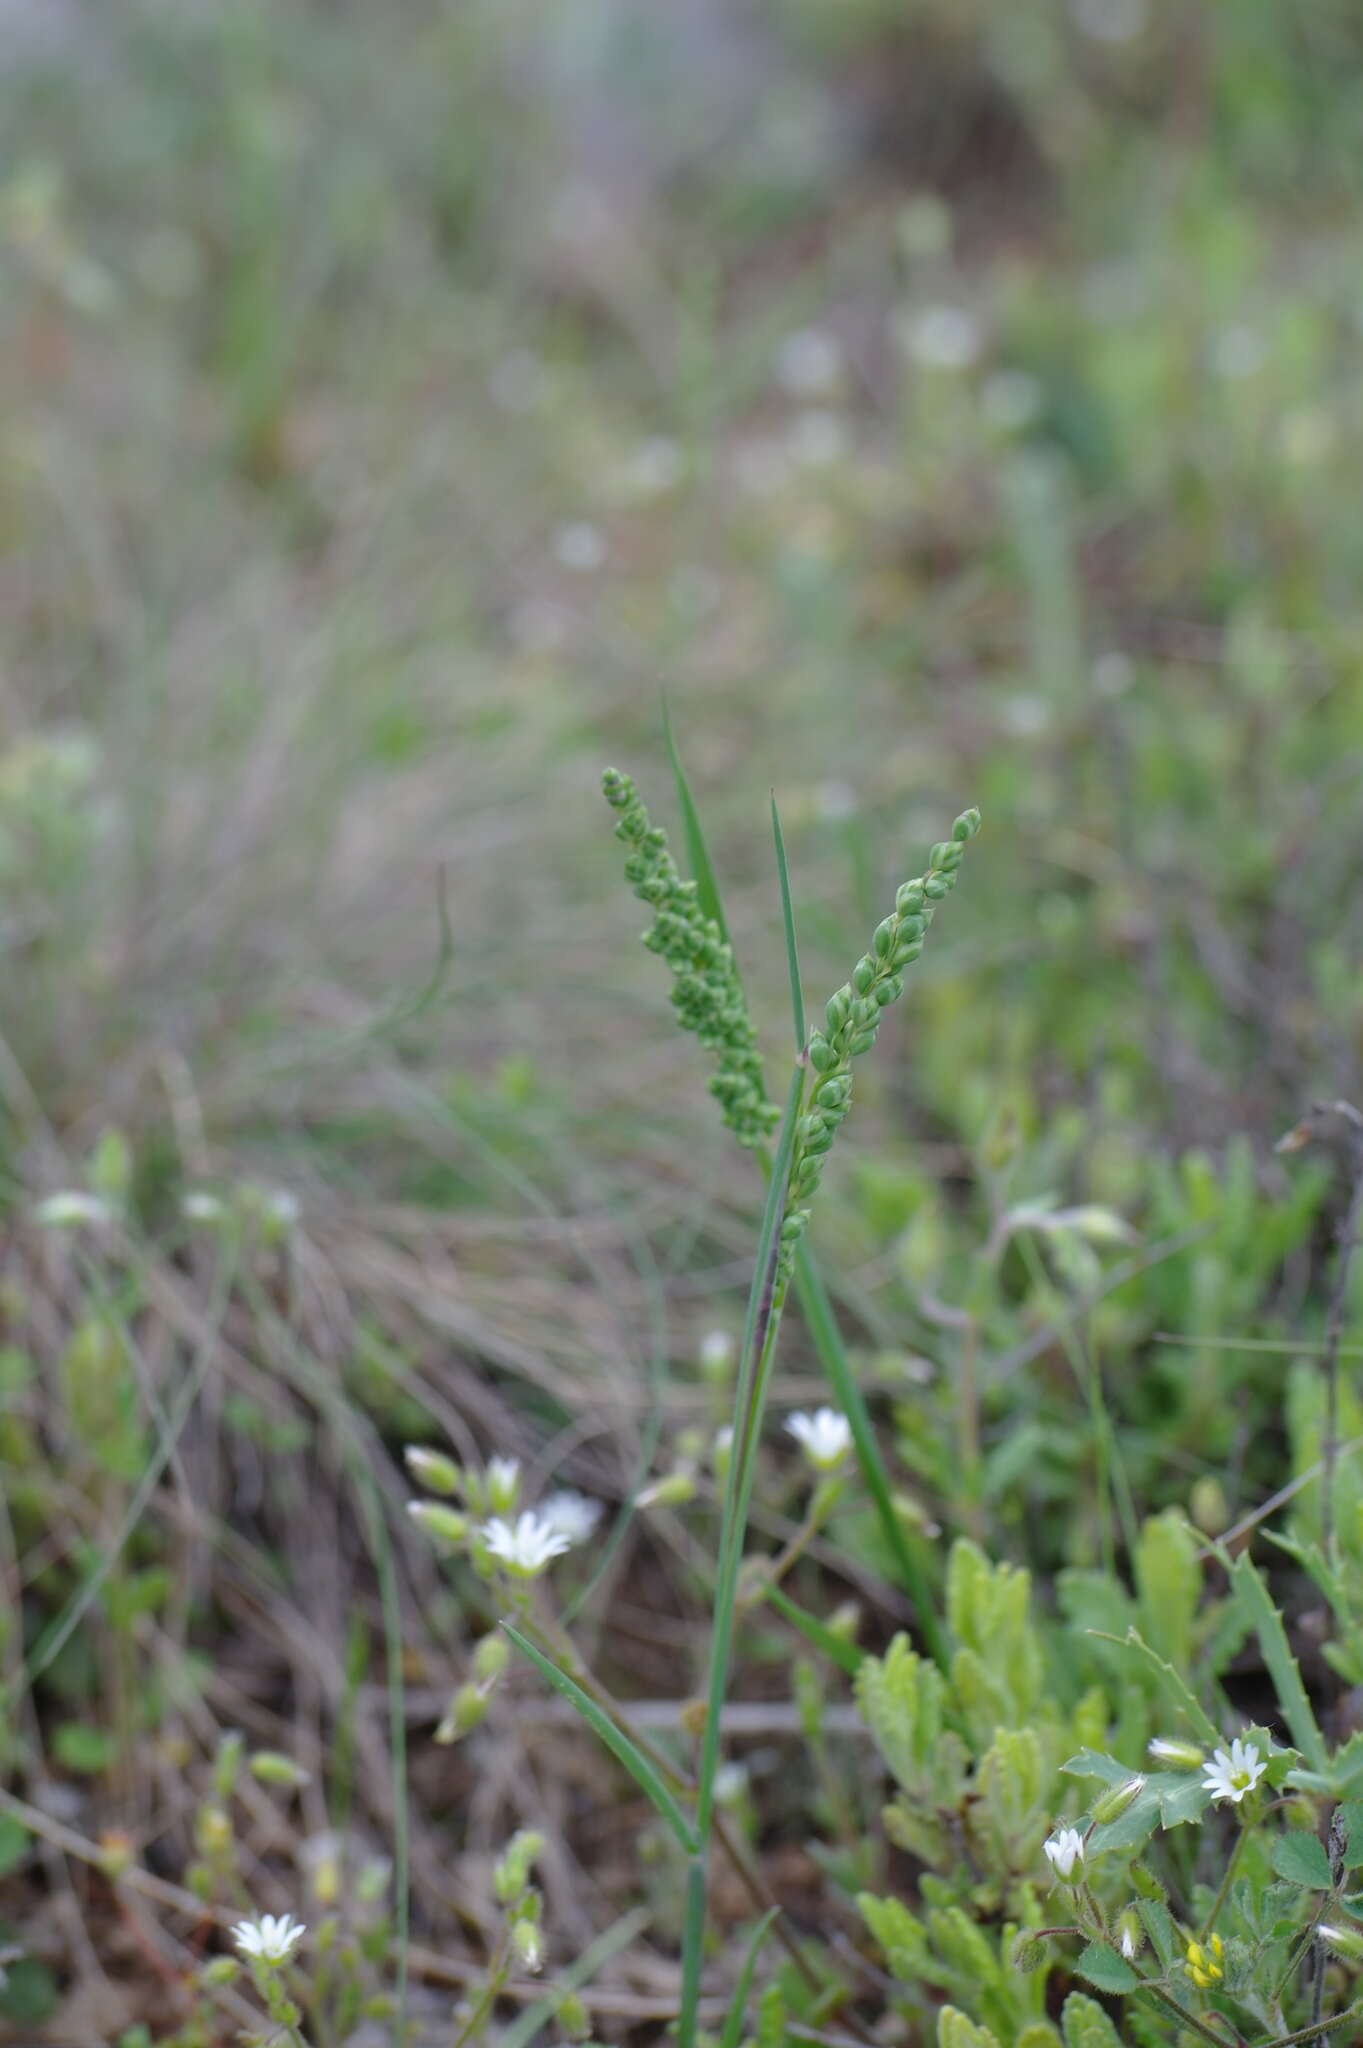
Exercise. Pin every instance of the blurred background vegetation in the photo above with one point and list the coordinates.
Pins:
(946, 403)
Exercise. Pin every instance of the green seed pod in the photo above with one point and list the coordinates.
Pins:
(864, 974)
(834, 1092)
(836, 1009)
(821, 1055)
(912, 927)
(794, 1225)
(883, 937)
(902, 955)
(937, 886)
(820, 1140)
(889, 991)
(966, 826)
(863, 1042)
(938, 854)
(909, 898)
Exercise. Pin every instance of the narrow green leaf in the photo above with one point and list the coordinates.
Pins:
(1255, 1600)
(738, 2004)
(1302, 1860)
(826, 1338)
(698, 859)
(1175, 1689)
(797, 1001)
(836, 1648)
(615, 1739)
(1105, 1969)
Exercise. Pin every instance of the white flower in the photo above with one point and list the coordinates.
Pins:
(716, 1351)
(526, 1548)
(1128, 1944)
(503, 1483)
(580, 546)
(1064, 1850)
(825, 1437)
(199, 1206)
(942, 338)
(571, 1514)
(271, 1940)
(809, 364)
(72, 1206)
(1230, 1777)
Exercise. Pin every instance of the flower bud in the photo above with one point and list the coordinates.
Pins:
(672, 1491)
(433, 1469)
(821, 1054)
(836, 1008)
(863, 974)
(1345, 1941)
(491, 1657)
(938, 855)
(1175, 1755)
(1029, 1953)
(222, 1970)
(446, 1524)
(227, 1762)
(272, 1767)
(502, 1481)
(888, 992)
(1111, 1804)
(528, 1943)
(212, 1831)
(467, 1707)
(909, 898)
(936, 887)
(863, 1042)
(966, 826)
(883, 937)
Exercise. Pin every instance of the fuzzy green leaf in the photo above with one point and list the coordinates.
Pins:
(1102, 1967)
(1302, 1860)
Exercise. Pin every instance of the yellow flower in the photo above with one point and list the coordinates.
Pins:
(1204, 1963)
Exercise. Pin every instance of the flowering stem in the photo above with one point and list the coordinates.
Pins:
(1190, 2019)
(1224, 1886)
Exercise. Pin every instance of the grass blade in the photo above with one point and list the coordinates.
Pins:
(797, 1002)
(836, 1648)
(759, 1335)
(615, 1739)
(827, 1339)
(698, 859)
(738, 2004)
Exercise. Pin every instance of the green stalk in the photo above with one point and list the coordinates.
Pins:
(759, 1344)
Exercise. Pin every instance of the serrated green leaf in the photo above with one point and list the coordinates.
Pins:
(1102, 1967)
(1249, 1589)
(1302, 1860)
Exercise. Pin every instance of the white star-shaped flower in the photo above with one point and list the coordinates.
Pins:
(1063, 1850)
(570, 1514)
(270, 1940)
(825, 1437)
(526, 1546)
(1230, 1777)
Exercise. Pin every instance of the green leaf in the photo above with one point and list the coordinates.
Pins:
(1252, 1594)
(1086, 2024)
(797, 1001)
(1091, 1763)
(697, 857)
(1175, 1689)
(1102, 1967)
(79, 1747)
(845, 1655)
(617, 1742)
(1302, 1860)
(1351, 1819)
(738, 2004)
(826, 1338)
(14, 1843)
